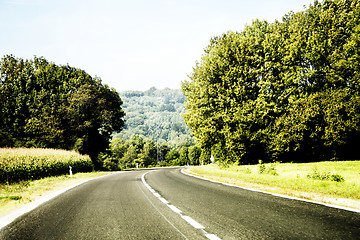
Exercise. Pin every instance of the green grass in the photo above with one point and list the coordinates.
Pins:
(16, 195)
(300, 179)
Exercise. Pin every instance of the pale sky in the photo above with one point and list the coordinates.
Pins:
(133, 44)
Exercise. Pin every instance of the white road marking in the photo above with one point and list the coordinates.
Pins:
(193, 223)
(160, 212)
(175, 209)
(188, 219)
(212, 237)
(163, 200)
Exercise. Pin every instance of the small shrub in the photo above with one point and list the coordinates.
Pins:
(262, 167)
(16, 198)
(337, 178)
(318, 175)
(271, 169)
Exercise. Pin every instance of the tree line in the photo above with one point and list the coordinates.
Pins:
(142, 152)
(50, 106)
(282, 91)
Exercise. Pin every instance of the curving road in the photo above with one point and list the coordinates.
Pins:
(165, 204)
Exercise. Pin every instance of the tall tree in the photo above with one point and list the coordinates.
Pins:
(46, 105)
(281, 91)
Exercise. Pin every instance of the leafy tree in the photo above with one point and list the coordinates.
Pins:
(183, 156)
(194, 155)
(172, 157)
(46, 105)
(150, 152)
(283, 91)
(130, 155)
(163, 151)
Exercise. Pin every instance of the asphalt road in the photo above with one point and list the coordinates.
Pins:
(165, 204)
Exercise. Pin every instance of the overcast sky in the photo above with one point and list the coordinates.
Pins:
(133, 44)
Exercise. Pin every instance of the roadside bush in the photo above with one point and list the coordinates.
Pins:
(318, 175)
(270, 169)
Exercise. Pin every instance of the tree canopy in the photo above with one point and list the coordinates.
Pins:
(286, 91)
(52, 106)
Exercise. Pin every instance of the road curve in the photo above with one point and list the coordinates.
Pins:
(165, 204)
(117, 206)
(234, 213)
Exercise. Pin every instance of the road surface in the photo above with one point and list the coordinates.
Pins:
(165, 204)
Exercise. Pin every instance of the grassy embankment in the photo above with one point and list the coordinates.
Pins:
(329, 182)
(20, 167)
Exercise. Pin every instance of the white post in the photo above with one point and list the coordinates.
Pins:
(70, 171)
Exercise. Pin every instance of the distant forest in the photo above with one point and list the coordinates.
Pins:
(156, 115)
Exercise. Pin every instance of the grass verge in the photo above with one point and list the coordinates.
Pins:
(16, 195)
(329, 182)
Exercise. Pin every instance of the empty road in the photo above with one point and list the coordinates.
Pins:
(165, 204)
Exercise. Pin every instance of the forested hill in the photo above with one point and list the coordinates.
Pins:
(155, 114)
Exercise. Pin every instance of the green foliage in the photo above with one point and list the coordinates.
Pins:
(46, 105)
(184, 156)
(321, 175)
(142, 152)
(262, 167)
(194, 155)
(269, 169)
(172, 157)
(156, 114)
(286, 91)
(29, 164)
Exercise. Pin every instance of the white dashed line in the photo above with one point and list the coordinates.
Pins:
(175, 209)
(212, 237)
(163, 200)
(188, 219)
(193, 223)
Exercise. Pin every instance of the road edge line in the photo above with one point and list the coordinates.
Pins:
(273, 194)
(10, 217)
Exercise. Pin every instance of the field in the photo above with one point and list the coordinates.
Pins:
(330, 182)
(29, 173)
(18, 164)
